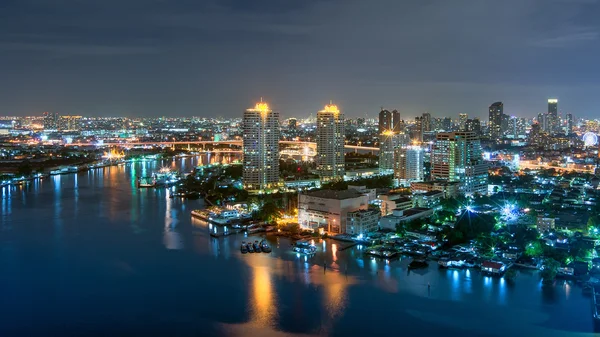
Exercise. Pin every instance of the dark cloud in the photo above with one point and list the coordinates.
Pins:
(154, 57)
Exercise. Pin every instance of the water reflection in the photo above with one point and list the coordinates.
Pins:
(172, 238)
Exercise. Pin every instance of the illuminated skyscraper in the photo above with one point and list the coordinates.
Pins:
(462, 122)
(457, 156)
(553, 124)
(396, 122)
(496, 118)
(569, 129)
(330, 143)
(408, 164)
(387, 143)
(51, 120)
(426, 121)
(385, 121)
(473, 125)
(261, 148)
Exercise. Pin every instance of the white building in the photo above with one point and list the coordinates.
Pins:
(261, 148)
(330, 143)
(408, 164)
(362, 222)
(390, 202)
(328, 209)
(388, 141)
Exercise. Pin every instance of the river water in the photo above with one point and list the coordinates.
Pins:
(89, 254)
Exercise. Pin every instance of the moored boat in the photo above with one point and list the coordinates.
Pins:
(244, 248)
(264, 246)
(304, 247)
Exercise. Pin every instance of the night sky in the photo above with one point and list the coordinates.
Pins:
(215, 58)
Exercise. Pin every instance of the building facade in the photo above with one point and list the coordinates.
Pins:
(457, 157)
(408, 164)
(362, 221)
(553, 122)
(328, 209)
(261, 149)
(330, 143)
(496, 117)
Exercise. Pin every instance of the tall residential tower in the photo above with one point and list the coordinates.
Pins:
(261, 148)
(330, 143)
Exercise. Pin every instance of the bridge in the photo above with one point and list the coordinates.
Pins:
(310, 146)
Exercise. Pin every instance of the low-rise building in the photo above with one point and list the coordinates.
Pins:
(429, 199)
(545, 225)
(328, 209)
(450, 189)
(362, 221)
(399, 216)
(389, 202)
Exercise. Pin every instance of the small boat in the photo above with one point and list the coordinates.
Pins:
(264, 246)
(250, 248)
(417, 264)
(304, 247)
(244, 248)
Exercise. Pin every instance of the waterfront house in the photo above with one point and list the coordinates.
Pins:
(493, 267)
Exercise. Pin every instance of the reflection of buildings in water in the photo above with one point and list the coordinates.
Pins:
(172, 238)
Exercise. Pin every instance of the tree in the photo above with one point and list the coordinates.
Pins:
(25, 169)
(550, 270)
(534, 249)
(269, 212)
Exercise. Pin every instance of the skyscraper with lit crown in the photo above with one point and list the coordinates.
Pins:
(330, 143)
(261, 148)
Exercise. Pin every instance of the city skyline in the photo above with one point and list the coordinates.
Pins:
(177, 59)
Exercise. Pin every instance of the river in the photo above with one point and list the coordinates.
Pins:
(90, 254)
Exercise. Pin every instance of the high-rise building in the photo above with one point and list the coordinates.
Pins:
(473, 125)
(516, 127)
(51, 120)
(261, 148)
(553, 124)
(462, 122)
(385, 121)
(535, 134)
(69, 123)
(457, 156)
(447, 124)
(496, 117)
(396, 122)
(569, 129)
(387, 144)
(426, 121)
(408, 164)
(416, 134)
(330, 143)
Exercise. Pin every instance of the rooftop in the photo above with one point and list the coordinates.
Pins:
(338, 195)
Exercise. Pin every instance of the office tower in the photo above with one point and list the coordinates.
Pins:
(569, 129)
(542, 119)
(496, 114)
(426, 121)
(457, 156)
(330, 143)
(292, 123)
(385, 121)
(51, 120)
(408, 164)
(387, 144)
(261, 148)
(462, 122)
(396, 122)
(553, 124)
(473, 125)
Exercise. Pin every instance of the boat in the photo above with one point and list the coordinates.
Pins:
(444, 262)
(256, 246)
(244, 248)
(304, 247)
(417, 264)
(264, 246)
(250, 248)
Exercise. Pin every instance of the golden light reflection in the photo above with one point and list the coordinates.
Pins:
(264, 310)
(331, 108)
